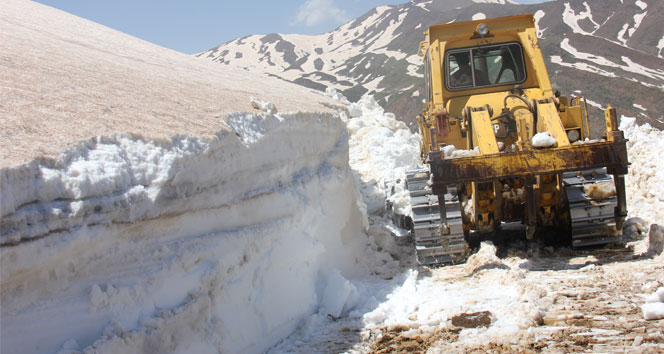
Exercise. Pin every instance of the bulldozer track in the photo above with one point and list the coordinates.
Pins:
(431, 245)
(593, 221)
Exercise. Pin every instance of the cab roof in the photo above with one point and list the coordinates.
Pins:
(467, 29)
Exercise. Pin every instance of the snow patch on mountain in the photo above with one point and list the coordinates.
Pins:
(539, 14)
(585, 56)
(630, 66)
(642, 70)
(479, 16)
(501, 2)
(556, 59)
(422, 5)
(571, 19)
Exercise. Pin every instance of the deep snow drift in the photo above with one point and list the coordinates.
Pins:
(645, 181)
(187, 245)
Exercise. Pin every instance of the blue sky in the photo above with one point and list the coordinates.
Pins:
(197, 25)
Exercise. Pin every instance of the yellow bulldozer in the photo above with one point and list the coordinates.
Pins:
(503, 148)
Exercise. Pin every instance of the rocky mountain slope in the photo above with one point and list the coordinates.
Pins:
(609, 51)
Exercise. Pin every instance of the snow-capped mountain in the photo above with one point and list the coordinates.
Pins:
(610, 51)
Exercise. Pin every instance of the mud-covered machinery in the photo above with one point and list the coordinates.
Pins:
(502, 147)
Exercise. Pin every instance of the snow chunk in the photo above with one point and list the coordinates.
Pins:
(657, 296)
(653, 311)
(264, 106)
(542, 140)
(339, 296)
(337, 96)
(451, 152)
(485, 258)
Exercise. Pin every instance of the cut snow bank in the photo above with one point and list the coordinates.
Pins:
(188, 245)
(645, 180)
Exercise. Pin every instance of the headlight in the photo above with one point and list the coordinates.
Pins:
(482, 29)
(573, 135)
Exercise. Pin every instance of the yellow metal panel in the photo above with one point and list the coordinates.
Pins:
(548, 120)
(483, 134)
(436, 72)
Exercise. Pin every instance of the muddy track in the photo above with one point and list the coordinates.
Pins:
(589, 302)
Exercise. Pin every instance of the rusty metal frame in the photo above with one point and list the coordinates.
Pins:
(612, 155)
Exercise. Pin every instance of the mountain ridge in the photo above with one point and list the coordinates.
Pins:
(609, 51)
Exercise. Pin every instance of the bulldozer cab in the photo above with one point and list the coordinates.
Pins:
(523, 153)
(484, 56)
(493, 65)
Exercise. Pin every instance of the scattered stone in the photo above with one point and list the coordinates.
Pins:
(656, 240)
(637, 341)
(472, 320)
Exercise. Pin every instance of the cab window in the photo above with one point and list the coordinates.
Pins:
(484, 66)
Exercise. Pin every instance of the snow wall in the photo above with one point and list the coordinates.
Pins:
(125, 244)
